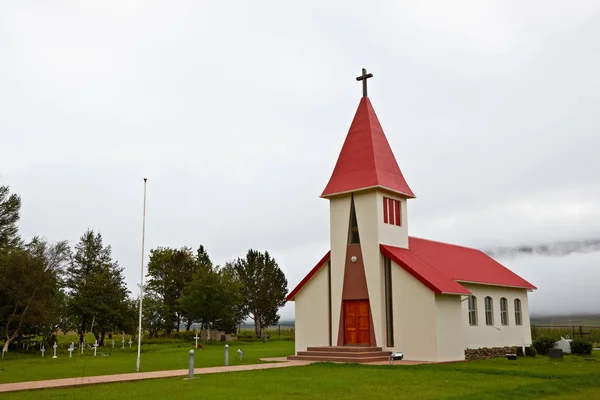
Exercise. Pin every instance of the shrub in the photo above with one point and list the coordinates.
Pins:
(185, 335)
(580, 346)
(529, 351)
(544, 344)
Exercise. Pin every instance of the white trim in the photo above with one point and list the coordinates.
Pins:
(369, 188)
(494, 284)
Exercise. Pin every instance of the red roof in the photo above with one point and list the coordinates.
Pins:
(435, 280)
(366, 159)
(442, 267)
(464, 264)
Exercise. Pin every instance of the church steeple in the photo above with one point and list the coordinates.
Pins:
(366, 160)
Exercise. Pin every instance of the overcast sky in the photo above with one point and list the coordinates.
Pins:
(236, 112)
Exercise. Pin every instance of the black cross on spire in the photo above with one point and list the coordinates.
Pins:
(364, 78)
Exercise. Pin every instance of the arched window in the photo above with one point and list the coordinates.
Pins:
(504, 311)
(472, 310)
(518, 317)
(489, 311)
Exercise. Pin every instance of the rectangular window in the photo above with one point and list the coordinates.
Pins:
(518, 319)
(392, 211)
(389, 315)
(489, 311)
(504, 311)
(385, 210)
(472, 310)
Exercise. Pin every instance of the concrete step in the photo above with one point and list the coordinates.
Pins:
(314, 353)
(344, 349)
(358, 360)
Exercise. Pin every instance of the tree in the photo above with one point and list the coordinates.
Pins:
(213, 298)
(10, 205)
(169, 270)
(30, 288)
(97, 288)
(154, 315)
(264, 288)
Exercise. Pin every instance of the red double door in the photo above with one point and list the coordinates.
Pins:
(356, 322)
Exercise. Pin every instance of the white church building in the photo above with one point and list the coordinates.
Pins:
(384, 290)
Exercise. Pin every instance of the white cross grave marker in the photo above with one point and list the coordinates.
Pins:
(196, 337)
(70, 350)
(130, 342)
(113, 342)
(54, 347)
(43, 350)
(95, 347)
(123, 340)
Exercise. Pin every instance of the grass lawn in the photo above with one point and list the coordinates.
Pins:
(526, 378)
(19, 366)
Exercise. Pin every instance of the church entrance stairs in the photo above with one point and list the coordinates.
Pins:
(343, 354)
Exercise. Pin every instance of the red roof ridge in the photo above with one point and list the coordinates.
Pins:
(444, 243)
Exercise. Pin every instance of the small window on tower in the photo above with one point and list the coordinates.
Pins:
(392, 211)
(353, 237)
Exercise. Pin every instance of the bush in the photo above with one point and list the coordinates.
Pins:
(184, 335)
(529, 351)
(580, 346)
(544, 344)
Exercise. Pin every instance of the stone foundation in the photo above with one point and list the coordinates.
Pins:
(484, 353)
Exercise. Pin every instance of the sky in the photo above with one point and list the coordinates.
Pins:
(236, 113)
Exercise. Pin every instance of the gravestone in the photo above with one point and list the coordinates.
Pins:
(54, 347)
(70, 350)
(130, 342)
(196, 337)
(95, 347)
(113, 343)
(43, 350)
(555, 353)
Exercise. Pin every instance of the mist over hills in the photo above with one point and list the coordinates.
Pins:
(556, 249)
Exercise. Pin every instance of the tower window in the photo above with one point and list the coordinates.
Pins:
(353, 237)
(392, 211)
(389, 314)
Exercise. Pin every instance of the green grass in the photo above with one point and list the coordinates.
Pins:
(19, 366)
(526, 378)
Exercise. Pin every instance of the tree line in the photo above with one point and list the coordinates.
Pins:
(50, 287)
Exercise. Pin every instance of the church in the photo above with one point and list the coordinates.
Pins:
(384, 291)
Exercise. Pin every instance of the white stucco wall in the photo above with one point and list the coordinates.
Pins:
(391, 234)
(339, 221)
(496, 335)
(415, 317)
(366, 215)
(312, 325)
(450, 341)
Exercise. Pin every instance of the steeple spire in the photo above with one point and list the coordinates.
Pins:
(366, 160)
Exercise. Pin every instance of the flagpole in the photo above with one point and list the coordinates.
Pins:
(141, 282)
